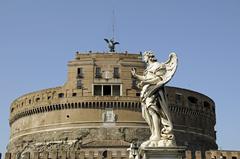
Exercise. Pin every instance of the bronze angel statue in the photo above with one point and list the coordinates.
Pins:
(111, 44)
(153, 99)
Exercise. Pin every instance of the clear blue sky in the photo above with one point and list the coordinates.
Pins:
(38, 38)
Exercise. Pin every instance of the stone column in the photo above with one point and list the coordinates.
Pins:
(45, 155)
(72, 154)
(7, 155)
(64, 155)
(91, 154)
(35, 155)
(99, 154)
(198, 155)
(188, 154)
(82, 155)
(77, 154)
(118, 155)
(26, 155)
(109, 154)
(53, 155)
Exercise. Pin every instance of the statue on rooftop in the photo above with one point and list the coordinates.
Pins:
(111, 44)
(153, 99)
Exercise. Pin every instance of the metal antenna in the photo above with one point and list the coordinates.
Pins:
(113, 23)
(111, 42)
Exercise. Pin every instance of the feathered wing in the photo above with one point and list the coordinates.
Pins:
(116, 43)
(106, 40)
(171, 67)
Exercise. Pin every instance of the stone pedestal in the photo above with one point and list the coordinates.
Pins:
(163, 152)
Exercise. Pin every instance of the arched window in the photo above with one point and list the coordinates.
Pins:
(206, 105)
(60, 95)
(104, 154)
(192, 100)
(37, 99)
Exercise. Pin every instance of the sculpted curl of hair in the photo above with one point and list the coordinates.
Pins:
(150, 55)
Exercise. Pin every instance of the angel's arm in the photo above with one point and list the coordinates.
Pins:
(138, 77)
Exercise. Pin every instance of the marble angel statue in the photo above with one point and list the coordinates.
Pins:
(153, 99)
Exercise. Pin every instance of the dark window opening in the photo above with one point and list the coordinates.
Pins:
(60, 95)
(49, 97)
(68, 116)
(107, 90)
(79, 84)
(116, 90)
(98, 72)
(97, 90)
(74, 94)
(79, 73)
(104, 154)
(178, 97)
(138, 94)
(206, 105)
(37, 99)
(116, 72)
(30, 101)
(192, 99)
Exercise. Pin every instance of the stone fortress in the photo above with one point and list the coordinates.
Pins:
(97, 114)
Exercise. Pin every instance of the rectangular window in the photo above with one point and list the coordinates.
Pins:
(98, 72)
(60, 95)
(79, 84)
(79, 72)
(116, 90)
(107, 90)
(74, 94)
(178, 97)
(116, 72)
(97, 90)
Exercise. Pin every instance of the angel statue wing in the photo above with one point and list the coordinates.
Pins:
(166, 74)
(171, 67)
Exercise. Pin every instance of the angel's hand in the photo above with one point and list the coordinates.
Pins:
(133, 71)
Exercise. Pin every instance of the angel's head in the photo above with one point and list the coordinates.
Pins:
(148, 56)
